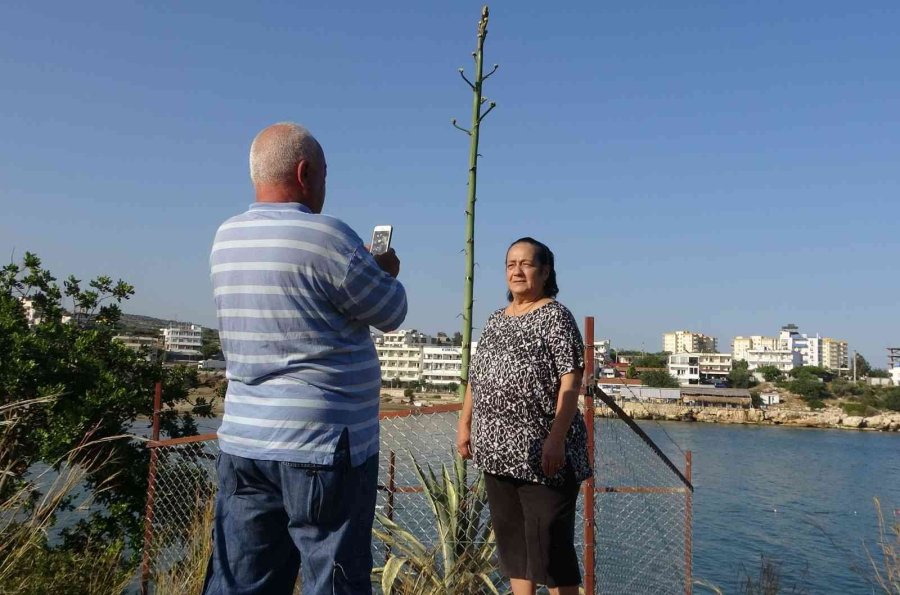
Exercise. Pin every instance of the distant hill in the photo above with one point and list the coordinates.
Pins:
(137, 324)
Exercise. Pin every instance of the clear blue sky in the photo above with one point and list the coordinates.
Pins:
(721, 167)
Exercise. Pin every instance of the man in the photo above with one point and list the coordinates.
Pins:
(296, 292)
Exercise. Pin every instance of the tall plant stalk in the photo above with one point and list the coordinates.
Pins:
(478, 100)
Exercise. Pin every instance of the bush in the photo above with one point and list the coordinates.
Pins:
(659, 379)
(815, 404)
(854, 408)
(810, 388)
(892, 400)
(770, 373)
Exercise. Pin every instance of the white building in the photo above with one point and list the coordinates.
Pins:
(685, 368)
(895, 375)
(183, 338)
(812, 350)
(442, 365)
(741, 346)
(783, 359)
(688, 342)
(400, 354)
(699, 368)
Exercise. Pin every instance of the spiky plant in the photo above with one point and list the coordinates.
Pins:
(462, 558)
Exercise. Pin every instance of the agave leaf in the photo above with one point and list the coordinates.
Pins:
(392, 568)
(488, 583)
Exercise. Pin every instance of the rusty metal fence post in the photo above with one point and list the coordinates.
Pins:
(590, 484)
(151, 492)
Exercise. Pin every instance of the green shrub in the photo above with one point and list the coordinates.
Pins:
(892, 399)
(815, 404)
(854, 408)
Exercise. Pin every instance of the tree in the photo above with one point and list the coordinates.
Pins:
(862, 366)
(809, 387)
(771, 373)
(652, 360)
(659, 379)
(210, 347)
(878, 373)
(631, 372)
(457, 339)
(823, 374)
(740, 376)
(99, 388)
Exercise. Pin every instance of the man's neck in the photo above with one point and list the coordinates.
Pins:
(278, 193)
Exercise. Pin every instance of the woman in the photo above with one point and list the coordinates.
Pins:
(527, 437)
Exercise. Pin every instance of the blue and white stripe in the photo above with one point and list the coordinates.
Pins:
(295, 295)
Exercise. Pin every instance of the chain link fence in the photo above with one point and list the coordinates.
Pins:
(432, 532)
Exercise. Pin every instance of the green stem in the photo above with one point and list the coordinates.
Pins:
(470, 206)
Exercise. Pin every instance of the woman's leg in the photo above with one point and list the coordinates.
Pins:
(573, 590)
(521, 586)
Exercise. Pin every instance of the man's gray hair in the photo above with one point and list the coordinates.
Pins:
(278, 149)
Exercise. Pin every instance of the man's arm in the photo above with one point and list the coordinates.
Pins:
(371, 295)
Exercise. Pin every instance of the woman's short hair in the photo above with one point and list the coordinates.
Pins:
(544, 256)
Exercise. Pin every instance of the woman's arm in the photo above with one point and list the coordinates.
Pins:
(554, 454)
(464, 427)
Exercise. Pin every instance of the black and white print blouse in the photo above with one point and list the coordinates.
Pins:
(515, 379)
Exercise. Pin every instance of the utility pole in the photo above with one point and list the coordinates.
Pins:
(477, 116)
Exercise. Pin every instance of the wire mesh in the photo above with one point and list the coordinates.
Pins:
(642, 515)
(432, 532)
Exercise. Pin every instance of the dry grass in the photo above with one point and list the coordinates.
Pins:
(29, 564)
(186, 577)
(886, 566)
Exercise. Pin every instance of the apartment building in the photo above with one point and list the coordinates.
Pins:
(742, 346)
(442, 365)
(699, 368)
(783, 359)
(688, 342)
(835, 354)
(182, 338)
(400, 354)
(895, 375)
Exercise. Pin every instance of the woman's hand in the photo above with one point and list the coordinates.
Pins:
(553, 457)
(463, 439)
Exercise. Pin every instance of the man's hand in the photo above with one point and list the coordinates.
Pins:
(388, 262)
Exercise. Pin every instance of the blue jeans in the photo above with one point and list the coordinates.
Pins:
(273, 518)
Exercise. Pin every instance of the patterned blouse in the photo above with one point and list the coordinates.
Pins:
(515, 379)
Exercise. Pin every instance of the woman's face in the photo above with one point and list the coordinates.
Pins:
(525, 276)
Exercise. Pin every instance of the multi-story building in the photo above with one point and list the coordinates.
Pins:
(811, 350)
(33, 315)
(835, 354)
(685, 368)
(783, 359)
(688, 342)
(699, 368)
(183, 338)
(442, 365)
(601, 353)
(400, 354)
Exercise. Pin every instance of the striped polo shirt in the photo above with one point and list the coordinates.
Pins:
(295, 296)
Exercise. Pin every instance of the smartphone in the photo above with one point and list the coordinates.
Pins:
(381, 239)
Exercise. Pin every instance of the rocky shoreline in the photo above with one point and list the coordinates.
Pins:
(826, 418)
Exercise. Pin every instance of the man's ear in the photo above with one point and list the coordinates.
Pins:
(303, 175)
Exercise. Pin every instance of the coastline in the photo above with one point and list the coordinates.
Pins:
(827, 419)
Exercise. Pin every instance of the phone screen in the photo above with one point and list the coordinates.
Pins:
(381, 241)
